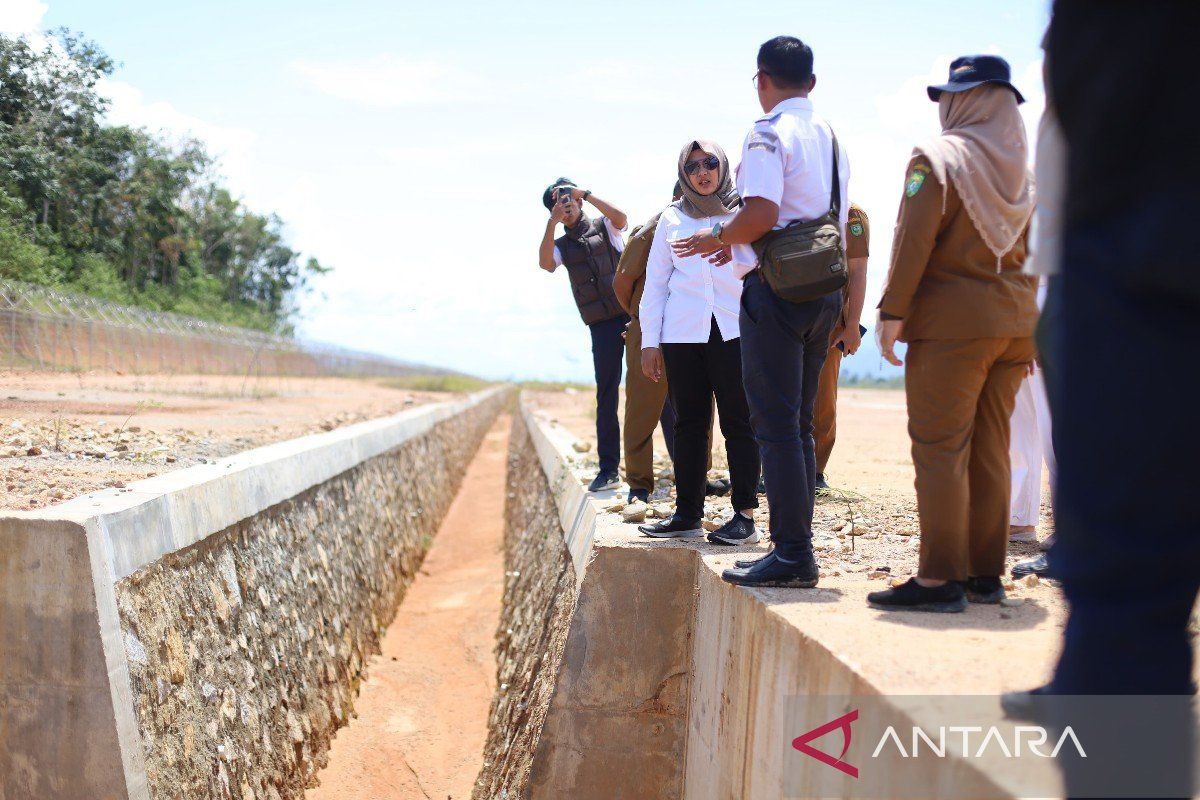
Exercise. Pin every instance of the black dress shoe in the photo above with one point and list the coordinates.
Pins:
(605, 480)
(1038, 565)
(770, 571)
(983, 590)
(672, 528)
(912, 596)
(717, 488)
(739, 530)
(747, 563)
(822, 486)
(637, 494)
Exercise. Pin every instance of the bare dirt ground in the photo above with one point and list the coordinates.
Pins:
(869, 524)
(421, 719)
(64, 435)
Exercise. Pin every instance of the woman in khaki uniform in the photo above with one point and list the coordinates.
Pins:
(956, 294)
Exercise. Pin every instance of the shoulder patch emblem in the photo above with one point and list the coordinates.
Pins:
(916, 179)
(856, 229)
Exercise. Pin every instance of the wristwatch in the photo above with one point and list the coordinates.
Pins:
(586, 194)
(716, 231)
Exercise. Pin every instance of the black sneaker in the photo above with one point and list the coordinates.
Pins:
(747, 563)
(912, 596)
(822, 486)
(637, 494)
(672, 528)
(770, 571)
(717, 488)
(604, 480)
(1038, 565)
(738, 530)
(983, 590)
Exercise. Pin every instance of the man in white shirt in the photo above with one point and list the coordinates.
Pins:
(786, 174)
(590, 250)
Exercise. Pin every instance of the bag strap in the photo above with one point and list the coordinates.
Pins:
(835, 196)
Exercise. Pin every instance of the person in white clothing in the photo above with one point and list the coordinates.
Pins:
(690, 335)
(1030, 446)
(791, 171)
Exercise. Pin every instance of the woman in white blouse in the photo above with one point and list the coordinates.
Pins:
(689, 314)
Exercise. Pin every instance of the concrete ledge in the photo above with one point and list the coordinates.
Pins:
(121, 610)
(674, 684)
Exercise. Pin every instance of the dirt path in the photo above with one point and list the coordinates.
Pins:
(422, 714)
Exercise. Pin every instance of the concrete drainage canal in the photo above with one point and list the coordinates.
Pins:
(422, 606)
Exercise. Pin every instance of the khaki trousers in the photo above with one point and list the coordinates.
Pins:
(643, 407)
(825, 409)
(961, 394)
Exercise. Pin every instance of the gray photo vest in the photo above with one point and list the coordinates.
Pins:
(591, 262)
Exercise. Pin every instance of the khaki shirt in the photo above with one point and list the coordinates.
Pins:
(944, 281)
(858, 233)
(858, 245)
(634, 258)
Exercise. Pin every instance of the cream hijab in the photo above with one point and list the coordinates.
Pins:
(984, 151)
(724, 200)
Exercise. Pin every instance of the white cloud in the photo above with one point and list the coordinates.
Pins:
(21, 16)
(230, 145)
(384, 81)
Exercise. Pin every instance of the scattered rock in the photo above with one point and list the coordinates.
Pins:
(635, 512)
(1029, 581)
(582, 446)
(877, 574)
(34, 451)
(1012, 602)
(711, 525)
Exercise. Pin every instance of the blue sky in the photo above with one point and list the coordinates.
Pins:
(407, 144)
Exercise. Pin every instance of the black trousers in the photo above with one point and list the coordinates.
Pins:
(608, 356)
(1127, 440)
(784, 346)
(696, 373)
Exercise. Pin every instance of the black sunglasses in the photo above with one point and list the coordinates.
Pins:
(708, 162)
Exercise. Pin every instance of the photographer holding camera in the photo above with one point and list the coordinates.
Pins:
(590, 249)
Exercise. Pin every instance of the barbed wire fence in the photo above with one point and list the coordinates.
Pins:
(47, 329)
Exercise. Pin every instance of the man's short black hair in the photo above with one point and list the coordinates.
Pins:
(548, 199)
(788, 61)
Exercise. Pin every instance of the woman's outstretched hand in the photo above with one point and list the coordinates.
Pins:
(702, 242)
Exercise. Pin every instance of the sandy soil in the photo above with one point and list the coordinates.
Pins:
(869, 523)
(422, 715)
(64, 435)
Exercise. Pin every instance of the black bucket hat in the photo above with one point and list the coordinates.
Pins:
(967, 72)
(548, 195)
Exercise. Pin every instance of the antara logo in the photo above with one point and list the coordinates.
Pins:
(1032, 737)
(801, 743)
